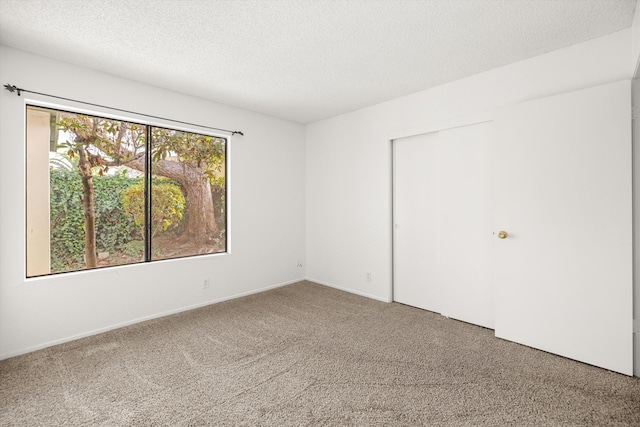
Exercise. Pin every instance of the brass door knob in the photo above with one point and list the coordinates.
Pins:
(502, 234)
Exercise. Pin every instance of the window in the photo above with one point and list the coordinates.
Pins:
(104, 192)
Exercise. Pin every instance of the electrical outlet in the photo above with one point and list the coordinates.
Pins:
(368, 277)
(205, 284)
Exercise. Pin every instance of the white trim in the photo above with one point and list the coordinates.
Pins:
(143, 319)
(392, 208)
(442, 125)
(101, 270)
(351, 291)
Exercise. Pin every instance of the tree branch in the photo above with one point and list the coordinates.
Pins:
(179, 172)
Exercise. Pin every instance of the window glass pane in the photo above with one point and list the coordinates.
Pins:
(85, 179)
(188, 206)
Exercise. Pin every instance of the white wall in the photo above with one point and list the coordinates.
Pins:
(635, 41)
(267, 214)
(349, 157)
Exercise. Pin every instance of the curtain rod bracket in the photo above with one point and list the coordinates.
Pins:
(13, 88)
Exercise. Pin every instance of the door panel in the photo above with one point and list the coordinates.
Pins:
(416, 256)
(442, 211)
(465, 224)
(562, 180)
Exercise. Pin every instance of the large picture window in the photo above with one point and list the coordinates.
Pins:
(104, 192)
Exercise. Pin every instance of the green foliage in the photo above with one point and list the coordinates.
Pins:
(190, 148)
(67, 221)
(103, 140)
(64, 163)
(119, 204)
(167, 208)
(115, 227)
(134, 248)
(218, 191)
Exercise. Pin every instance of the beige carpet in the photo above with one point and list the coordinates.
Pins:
(302, 355)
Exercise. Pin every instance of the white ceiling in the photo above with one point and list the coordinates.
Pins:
(302, 60)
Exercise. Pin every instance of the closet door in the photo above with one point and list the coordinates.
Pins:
(416, 232)
(562, 185)
(443, 223)
(465, 224)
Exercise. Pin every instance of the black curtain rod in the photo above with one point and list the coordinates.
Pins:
(12, 89)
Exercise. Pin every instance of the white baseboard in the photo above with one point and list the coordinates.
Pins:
(352, 291)
(143, 319)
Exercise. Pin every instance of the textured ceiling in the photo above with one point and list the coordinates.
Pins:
(303, 60)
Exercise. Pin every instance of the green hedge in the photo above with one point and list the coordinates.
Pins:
(118, 227)
(114, 227)
(168, 205)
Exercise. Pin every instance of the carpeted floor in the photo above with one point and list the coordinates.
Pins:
(303, 355)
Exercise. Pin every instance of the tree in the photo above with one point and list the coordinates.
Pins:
(93, 140)
(192, 160)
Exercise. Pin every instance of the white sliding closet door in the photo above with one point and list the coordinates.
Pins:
(563, 194)
(416, 231)
(443, 223)
(465, 223)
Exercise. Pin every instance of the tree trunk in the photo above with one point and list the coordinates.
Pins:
(84, 169)
(201, 224)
